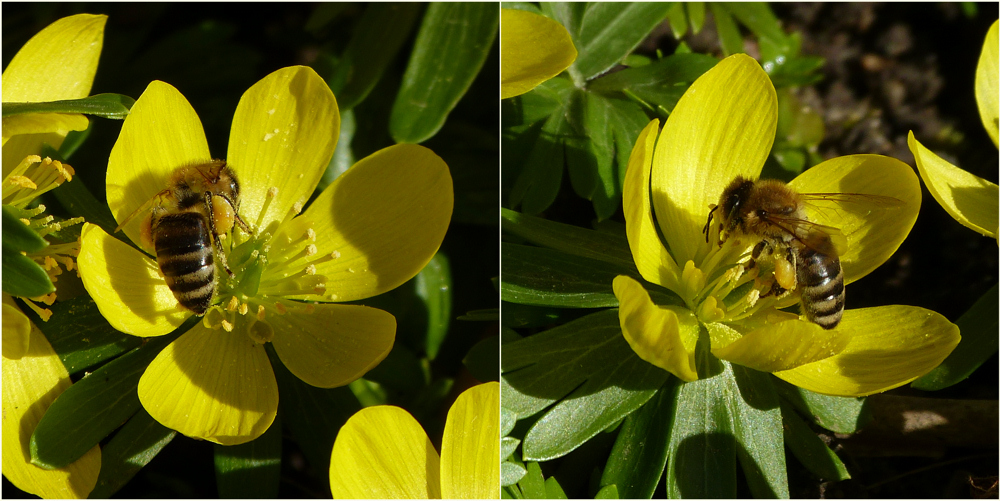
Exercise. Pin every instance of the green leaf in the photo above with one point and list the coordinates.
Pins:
(131, 449)
(115, 106)
(540, 177)
(678, 20)
(312, 415)
(433, 286)
(17, 235)
(609, 31)
(401, 371)
(450, 49)
(729, 33)
(94, 406)
(22, 276)
(753, 404)
(639, 455)
(812, 452)
(251, 470)
(511, 473)
(979, 342)
(507, 446)
(553, 490)
(515, 315)
(483, 359)
(662, 82)
(608, 492)
(603, 246)
(701, 461)
(696, 13)
(483, 315)
(838, 414)
(81, 336)
(375, 41)
(547, 277)
(533, 483)
(759, 18)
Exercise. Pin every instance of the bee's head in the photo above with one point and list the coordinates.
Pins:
(733, 200)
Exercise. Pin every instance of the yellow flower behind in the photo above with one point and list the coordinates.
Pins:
(724, 126)
(533, 49)
(383, 453)
(371, 230)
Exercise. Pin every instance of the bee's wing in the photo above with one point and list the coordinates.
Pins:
(820, 238)
(855, 198)
(142, 208)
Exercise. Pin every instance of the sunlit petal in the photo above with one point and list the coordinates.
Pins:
(41, 123)
(987, 84)
(283, 136)
(213, 385)
(970, 199)
(533, 49)
(890, 346)
(873, 231)
(127, 285)
(724, 125)
(651, 257)
(381, 221)
(16, 330)
(161, 133)
(30, 384)
(662, 336)
(470, 448)
(333, 344)
(783, 346)
(383, 453)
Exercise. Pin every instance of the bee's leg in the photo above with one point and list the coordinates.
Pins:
(776, 290)
(148, 204)
(755, 254)
(708, 224)
(243, 225)
(215, 235)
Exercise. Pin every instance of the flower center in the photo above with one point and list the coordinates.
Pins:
(737, 286)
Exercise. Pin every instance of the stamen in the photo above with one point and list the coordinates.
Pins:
(272, 192)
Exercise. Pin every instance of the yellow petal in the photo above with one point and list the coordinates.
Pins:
(334, 344)
(533, 49)
(470, 448)
(16, 330)
(873, 231)
(651, 257)
(57, 63)
(126, 285)
(383, 453)
(662, 336)
(16, 148)
(161, 133)
(783, 346)
(986, 84)
(382, 220)
(30, 384)
(213, 385)
(890, 346)
(283, 136)
(42, 123)
(723, 126)
(970, 199)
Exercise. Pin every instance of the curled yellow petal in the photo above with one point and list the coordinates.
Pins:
(383, 453)
(970, 199)
(783, 346)
(986, 84)
(470, 448)
(30, 385)
(533, 49)
(890, 346)
(662, 336)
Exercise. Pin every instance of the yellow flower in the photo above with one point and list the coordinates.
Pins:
(724, 126)
(533, 49)
(33, 376)
(970, 199)
(57, 63)
(371, 230)
(383, 453)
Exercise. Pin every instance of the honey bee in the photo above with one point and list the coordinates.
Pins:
(185, 224)
(806, 254)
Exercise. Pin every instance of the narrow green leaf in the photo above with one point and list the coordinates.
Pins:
(22, 276)
(758, 17)
(591, 244)
(375, 41)
(81, 336)
(696, 13)
(538, 183)
(701, 462)
(515, 315)
(580, 161)
(93, 407)
(533, 483)
(599, 146)
(729, 33)
(662, 82)
(608, 492)
(251, 470)
(131, 449)
(115, 106)
(639, 455)
(483, 359)
(609, 31)
(312, 415)
(838, 414)
(979, 342)
(507, 446)
(553, 490)
(812, 452)
(753, 404)
(19, 236)
(450, 49)
(547, 277)
(483, 315)
(511, 473)
(433, 286)
(678, 20)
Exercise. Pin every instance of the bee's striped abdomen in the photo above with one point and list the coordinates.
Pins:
(822, 282)
(184, 253)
